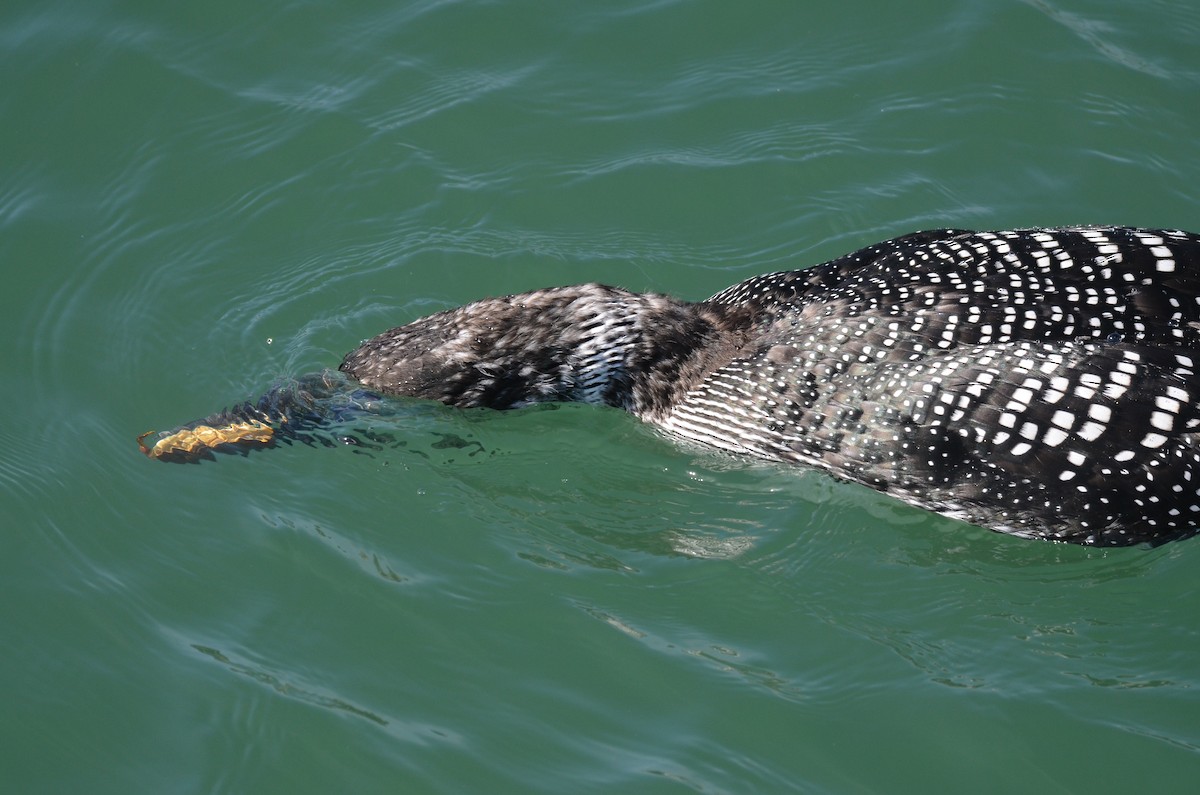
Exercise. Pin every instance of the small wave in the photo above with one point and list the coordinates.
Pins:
(1099, 34)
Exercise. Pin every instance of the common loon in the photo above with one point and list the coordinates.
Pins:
(1037, 382)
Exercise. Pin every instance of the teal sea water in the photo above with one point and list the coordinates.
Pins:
(197, 199)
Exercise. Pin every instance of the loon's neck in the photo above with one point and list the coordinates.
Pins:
(586, 343)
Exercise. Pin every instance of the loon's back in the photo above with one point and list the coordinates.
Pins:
(1037, 382)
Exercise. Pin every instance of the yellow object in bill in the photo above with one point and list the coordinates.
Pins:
(189, 443)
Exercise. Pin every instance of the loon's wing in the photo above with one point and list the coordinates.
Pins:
(1024, 381)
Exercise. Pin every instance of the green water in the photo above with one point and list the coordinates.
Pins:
(199, 198)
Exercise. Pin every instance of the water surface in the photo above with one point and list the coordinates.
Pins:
(199, 199)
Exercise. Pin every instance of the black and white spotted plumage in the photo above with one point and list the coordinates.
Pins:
(1039, 382)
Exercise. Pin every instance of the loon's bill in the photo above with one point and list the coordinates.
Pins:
(1038, 382)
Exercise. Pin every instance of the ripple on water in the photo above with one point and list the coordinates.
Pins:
(1102, 36)
(276, 679)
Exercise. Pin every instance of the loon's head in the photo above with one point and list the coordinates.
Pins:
(588, 343)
